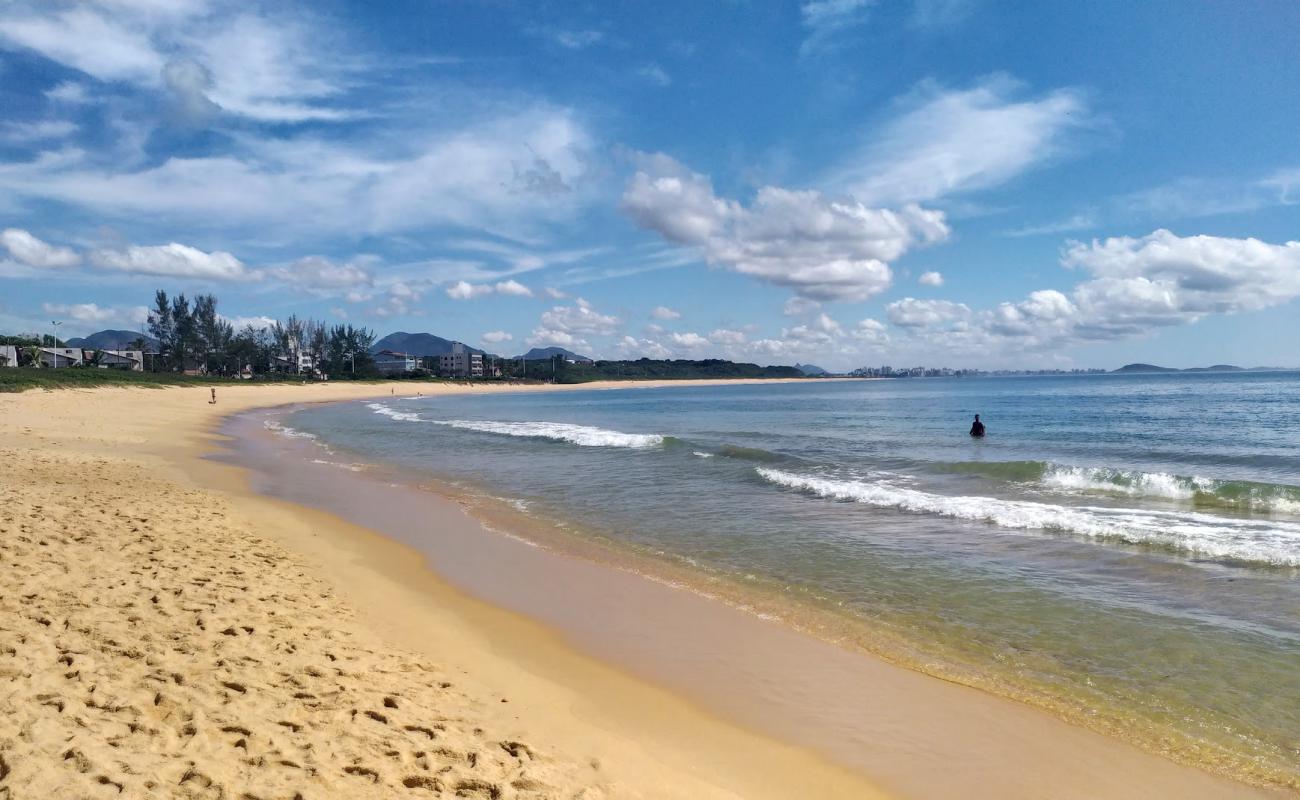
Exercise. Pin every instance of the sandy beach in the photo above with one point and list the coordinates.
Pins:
(167, 632)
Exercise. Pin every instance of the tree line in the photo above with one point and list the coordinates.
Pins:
(194, 337)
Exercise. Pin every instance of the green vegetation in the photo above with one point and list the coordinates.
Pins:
(198, 339)
(20, 379)
(651, 369)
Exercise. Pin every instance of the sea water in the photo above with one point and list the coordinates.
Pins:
(1123, 550)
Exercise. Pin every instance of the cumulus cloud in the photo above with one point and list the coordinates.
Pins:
(464, 290)
(496, 337)
(912, 313)
(930, 279)
(822, 249)
(91, 312)
(27, 249)
(951, 141)
(174, 260)
(665, 313)
(870, 331)
(569, 325)
(688, 340)
(1136, 285)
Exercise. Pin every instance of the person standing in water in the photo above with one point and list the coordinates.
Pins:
(977, 428)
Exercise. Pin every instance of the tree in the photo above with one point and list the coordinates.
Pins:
(183, 331)
(161, 327)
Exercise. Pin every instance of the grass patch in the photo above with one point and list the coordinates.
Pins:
(21, 379)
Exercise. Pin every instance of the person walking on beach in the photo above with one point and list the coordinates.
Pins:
(213, 401)
(977, 428)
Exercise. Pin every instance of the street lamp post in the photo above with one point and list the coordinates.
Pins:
(55, 344)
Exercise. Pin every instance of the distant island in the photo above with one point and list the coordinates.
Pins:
(1152, 368)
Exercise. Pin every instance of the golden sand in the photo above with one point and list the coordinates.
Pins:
(163, 633)
(166, 632)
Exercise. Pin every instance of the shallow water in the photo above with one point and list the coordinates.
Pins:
(1123, 549)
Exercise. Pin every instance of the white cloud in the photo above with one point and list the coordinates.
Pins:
(173, 259)
(930, 279)
(28, 250)
(39, 131)
(91, 312)
(68, 92)
(577, 40)
(870, 331)
(1075, 222)
(257, 322)
(823, 249)
(688, 340)
(317, 273)
(726, 336)
(464, 290)
(1135, 287)
(913, 313)
(954, 141)
(823, 19)
(665, 313)
(496, 337)
(631, 348)
(553, 293)
(513, 288)
(567, 325)
(798, 306)
(655, 74)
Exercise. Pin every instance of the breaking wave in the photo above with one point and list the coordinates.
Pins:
(403, 416)
(1254, 541)
(1202, 492)
(582, 435)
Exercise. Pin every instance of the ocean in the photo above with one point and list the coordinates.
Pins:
(1121, 550)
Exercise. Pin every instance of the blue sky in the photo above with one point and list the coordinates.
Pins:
(844, 182)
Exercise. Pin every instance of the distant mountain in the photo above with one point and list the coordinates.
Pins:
(417, 344)
(1132, 368)
(810, 369)
(546, 353)
(1144, 368)
(112, 340)
(1217, 368)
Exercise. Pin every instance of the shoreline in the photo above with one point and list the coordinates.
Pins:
(825, 735)
(366, 612)
(377, 576)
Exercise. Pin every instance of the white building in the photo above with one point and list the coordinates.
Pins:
(460, 362)
(62, 357)
(132, 360)
(8, 355)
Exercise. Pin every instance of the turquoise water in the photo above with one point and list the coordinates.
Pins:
(1124, 550)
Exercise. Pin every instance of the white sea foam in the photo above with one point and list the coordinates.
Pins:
(402, 416)
(701, 454)
(1164, 485)
(285, 430)
(1268, 542)
(559, 431)
(1128, 482)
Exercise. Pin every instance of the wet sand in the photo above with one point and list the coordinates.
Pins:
(915, 735)
(567, 678)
